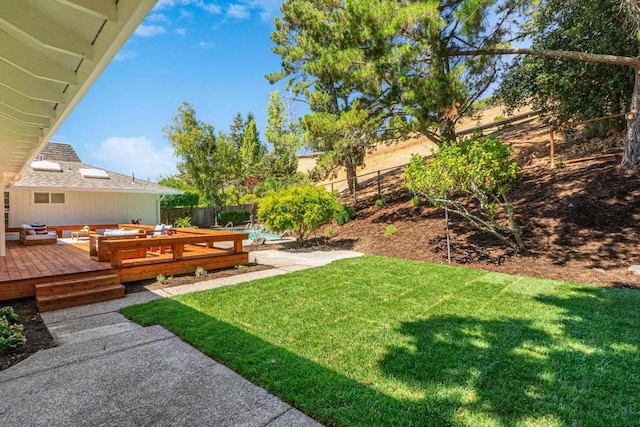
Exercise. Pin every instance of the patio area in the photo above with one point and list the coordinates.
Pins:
(65, 274)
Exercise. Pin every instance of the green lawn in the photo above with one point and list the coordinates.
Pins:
(382, 341)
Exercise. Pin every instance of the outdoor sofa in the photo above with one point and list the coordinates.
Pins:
(37, 234)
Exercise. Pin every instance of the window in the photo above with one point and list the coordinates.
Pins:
(48, 198)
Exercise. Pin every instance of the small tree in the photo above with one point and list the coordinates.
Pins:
(301, 208)
(479, 169)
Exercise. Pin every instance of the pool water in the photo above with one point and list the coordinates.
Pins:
(253, 234)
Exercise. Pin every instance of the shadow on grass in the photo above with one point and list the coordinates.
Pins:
(470, 370)
(582, 374)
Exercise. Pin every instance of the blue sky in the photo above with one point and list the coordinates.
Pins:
(213, 55)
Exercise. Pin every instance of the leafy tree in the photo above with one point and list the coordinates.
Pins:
(301, 208)
(394, 63)
(194, 142)
(573, 90)
(631, 156)
(476, 170)
(189, 199)
(283, 135)
(251, 150)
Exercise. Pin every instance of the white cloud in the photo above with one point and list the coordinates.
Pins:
(180, 31)
(205, 45)
(158, 17)
(206, 6)
(237, 11)
(149, 30)
(125, 55)
(209, 7)
(137, 155)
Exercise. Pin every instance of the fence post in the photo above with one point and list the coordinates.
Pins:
(552, 149)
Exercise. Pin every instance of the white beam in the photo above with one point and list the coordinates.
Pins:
(22, 20)
(25, 105)
(18, 138)
(25, 119)
(20, 129)
(29, 86)
(104, 9)
(34, 62)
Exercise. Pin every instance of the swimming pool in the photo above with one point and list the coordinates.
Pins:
(254, 233)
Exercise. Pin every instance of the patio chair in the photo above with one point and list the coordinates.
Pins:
(162, 230)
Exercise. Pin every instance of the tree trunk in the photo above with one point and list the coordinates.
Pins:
(631, 155)
(448, 130)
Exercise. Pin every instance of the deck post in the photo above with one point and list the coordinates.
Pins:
(237, 245)
(3, 238)
(178, 251)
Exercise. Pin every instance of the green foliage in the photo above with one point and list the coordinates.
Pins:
(184, 222)
(416, 201)
(328, 231)
(235, 217)
(345, 214)
(189, 199)
(162, 279)
(200, 272)
(11, 332)
(301, 208)
(195, 142)
(574, 90)
(380, 202)
(285, 139)
(390, 230)
(480, 168)
(251, 151)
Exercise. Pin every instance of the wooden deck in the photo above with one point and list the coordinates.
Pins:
(24, 267)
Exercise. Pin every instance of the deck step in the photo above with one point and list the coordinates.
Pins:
(79, 284)
(55, 302)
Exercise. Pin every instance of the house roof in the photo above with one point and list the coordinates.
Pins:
(51, 52)
(73, 175)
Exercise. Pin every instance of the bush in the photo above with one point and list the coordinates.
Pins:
(380, 202)
(390, 230)
(11, 333)
(479, 168)
(416, 201)
(234, 217)
(344, 215)
(301, 208)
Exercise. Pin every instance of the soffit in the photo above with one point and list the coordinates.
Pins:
(51, 52)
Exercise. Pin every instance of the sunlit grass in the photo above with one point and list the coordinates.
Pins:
(382, 341)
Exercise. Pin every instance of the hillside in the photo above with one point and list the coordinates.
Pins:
(579, 219)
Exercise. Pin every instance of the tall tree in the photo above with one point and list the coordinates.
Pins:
(576, 90)
(391, 59)
(281, 162)
(251, 150)
(631, 156)
(194, 142)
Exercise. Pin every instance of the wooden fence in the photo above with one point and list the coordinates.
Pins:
(200, 217)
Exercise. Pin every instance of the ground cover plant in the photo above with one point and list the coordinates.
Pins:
(383, 341)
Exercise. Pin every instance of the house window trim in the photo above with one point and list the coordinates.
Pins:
(49, 193)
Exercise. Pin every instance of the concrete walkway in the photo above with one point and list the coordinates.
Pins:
(108, 371)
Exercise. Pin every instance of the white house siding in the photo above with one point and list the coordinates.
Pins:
(83, 207)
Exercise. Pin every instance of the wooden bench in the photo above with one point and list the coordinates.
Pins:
(117, 248)
(99, 250)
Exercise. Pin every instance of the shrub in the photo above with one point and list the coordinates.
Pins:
(479, 168)
(328, 231)
(200, 271)
(390, 230)
(380, 202)
(161, 278)
(11, 333)
(345, 214)
(301, 208)
(416, 201)
(184, 222)
(234, 217)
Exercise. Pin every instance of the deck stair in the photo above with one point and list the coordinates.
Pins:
(78, 291)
